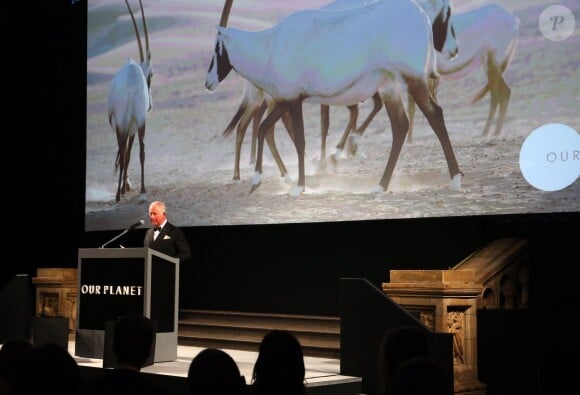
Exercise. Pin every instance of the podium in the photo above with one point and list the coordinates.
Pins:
(113, 282)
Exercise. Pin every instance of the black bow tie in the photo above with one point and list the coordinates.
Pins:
(157, 229)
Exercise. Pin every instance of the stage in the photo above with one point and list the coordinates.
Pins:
(322, 374)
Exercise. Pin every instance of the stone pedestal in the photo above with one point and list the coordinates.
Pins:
(56, 294)
(445, 301)
(503, 270)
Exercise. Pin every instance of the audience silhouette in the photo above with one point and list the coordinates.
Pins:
(50, 369)
(404, 366)
(400, 344)
(214, 372)
(279, 368)
(134, 336)
(12, 353)
(420, 376)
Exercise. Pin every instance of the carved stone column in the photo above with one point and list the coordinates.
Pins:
(56, 294)
(445, 301)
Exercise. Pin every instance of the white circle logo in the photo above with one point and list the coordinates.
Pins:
(550, 157)
(557, 23)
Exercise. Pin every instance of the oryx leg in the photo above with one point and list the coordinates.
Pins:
(411, 113)
(277, 111)
(126, 187)
(256, 119)
(412, 107)
(350, 127)
(141, 133)
(296, 115)
(324, 126)
(491, 112)
(240, 133)
(287, 121)
(120, 181)
(119, 163)
(434, 115)
(499, 94)
(399, 127)
(504, 93)
(352, 141)
(274, 150)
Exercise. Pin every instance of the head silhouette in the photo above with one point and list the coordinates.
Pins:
(399, 344)
(420, 376)
(49, 368)
(280, 364)
(12, 354)
(134, 339)
(214, 372)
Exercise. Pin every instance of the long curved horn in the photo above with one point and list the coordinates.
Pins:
(145, 31)
(226, 13)
(136, 31)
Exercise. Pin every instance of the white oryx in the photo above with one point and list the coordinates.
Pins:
(339, 58)
(446, 45)
(253, 101)
(128, 103)
(488, 37)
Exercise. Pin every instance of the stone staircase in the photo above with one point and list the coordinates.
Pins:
(318, 335)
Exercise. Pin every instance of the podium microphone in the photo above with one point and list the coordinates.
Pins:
(136, 224)
(130, 228)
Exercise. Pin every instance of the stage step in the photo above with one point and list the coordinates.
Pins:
(318, 335)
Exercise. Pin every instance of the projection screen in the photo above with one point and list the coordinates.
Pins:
(524, 51)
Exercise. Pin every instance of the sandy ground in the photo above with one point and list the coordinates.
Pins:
(189, 164)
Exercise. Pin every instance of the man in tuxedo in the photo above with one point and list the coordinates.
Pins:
(164, 236)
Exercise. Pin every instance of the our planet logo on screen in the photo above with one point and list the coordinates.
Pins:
(550, 157)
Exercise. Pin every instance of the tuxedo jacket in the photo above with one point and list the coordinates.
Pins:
(170, 241)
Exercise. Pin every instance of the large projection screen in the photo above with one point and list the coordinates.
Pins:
(532, 166)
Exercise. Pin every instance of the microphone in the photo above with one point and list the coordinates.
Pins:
(136, 224)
